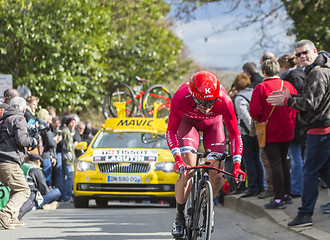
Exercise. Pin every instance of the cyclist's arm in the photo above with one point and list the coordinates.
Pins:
(174, 120)
(228, 113)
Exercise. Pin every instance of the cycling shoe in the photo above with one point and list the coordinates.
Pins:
(178, 229)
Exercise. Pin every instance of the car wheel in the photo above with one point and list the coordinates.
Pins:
(80, 202)
(101, 202)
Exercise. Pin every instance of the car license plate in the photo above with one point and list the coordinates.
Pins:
(123, 179)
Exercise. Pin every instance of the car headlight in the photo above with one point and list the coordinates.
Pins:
(83, 166)
(164, 166)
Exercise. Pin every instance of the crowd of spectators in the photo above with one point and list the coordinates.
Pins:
(37, 154)
(296, 158)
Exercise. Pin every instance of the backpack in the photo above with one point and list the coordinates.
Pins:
(252, 131)
(4, 195)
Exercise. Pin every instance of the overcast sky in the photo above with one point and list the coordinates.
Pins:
(230, 49)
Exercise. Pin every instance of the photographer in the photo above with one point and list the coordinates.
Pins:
(14, 138)
(48, 145)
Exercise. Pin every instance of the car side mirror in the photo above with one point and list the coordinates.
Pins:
(82, 146)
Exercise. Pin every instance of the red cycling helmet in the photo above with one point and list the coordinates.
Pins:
(204, 86)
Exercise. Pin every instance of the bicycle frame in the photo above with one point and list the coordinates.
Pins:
(198, 183)
(139, 95)
(167, 104)
(138, 92)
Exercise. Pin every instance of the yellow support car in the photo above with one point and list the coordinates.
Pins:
(128, 159)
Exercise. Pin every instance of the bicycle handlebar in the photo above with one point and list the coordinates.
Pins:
(218, 156)
(211, 168)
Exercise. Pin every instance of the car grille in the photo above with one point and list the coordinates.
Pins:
(124, 168)
(96, 187)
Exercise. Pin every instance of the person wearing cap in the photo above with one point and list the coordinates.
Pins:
(41, 196)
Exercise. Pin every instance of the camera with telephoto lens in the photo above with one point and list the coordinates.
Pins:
(35, 130)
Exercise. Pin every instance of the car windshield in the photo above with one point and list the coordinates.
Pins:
(130, 140)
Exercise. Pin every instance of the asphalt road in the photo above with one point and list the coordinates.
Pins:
(131, 221)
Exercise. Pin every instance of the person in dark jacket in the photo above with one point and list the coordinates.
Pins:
(78, 137)
(14, 139)
(314, 113)
(250, 69)
(289, 71)
(57, 136)
(48, 145)
(41, 196)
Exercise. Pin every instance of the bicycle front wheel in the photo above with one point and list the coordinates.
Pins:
(190, 209)
(119, 93)
(204, 214)
(161, 95)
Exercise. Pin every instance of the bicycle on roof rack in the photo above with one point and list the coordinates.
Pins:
(138, 102)
(199, 215)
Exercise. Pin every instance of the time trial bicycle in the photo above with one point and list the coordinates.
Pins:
(199, 214)
(138, 102)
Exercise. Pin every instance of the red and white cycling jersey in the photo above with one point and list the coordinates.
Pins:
(183, 108)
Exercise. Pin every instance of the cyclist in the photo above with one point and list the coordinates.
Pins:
(200, 106)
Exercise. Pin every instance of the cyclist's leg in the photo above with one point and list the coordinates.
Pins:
(188, 136)
(182, 186)
(189, 139)
(182, 190)
(214, 139)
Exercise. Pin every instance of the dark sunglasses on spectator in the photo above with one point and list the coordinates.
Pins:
(304, 52)
(204, 103)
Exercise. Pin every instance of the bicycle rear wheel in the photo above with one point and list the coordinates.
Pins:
(161, 95)
(119, 93)
(204, 214)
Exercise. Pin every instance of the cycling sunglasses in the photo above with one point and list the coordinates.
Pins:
(204, 103)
